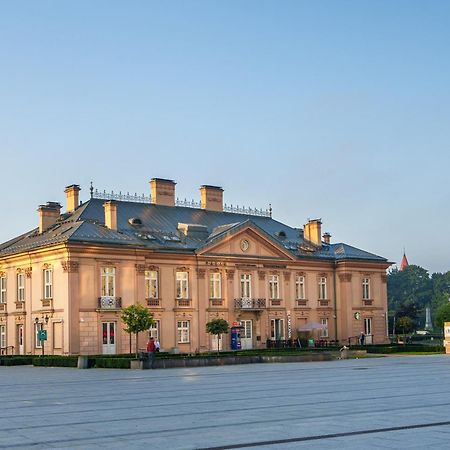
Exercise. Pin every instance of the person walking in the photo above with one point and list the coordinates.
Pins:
(157, 346)
(151, 348)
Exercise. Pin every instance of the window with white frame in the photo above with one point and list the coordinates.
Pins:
(48, 283)
(246, 285)
(183, 331)
(2, 336)
(20, 287)
(215, 285)
(108, 275)
(182, 284)
(153, 331)
(3, 289)
(322, 288)
(300, 287)
(366, 288)
(274, 287)
(151, 284)
(37, 342)
(324, 331)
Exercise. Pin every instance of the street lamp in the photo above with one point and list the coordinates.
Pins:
(42, 334)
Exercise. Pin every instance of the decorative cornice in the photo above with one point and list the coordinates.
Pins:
(140, 269)
(70, 266)
(182, 269)
(47, 266)
(345, 277)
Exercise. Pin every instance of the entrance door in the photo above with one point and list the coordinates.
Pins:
(246, 335)
(109, 338)
(368, 330)
(20, 340)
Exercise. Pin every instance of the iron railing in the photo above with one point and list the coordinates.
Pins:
(108, 302)
(254, 304)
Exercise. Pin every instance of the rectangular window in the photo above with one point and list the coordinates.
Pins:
(274, 287)
(3, 336)
(183, 331)
(182, 279)
(2, 289)
(151, 284)
(48, 283)
(246, 285)
(20, 287)
(215, 285)
(108, 282)
(153, 331)
(324, 331)
(277, 329)
(322, 288)
(37, 328)
(366, 288)
(300, 287)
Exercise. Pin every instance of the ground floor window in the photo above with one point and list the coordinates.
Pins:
(324, 331)
(2, 336)
(153, 331)
(37, 327)
(183, 327)
(277, 329)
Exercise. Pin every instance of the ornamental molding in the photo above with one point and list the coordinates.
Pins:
(28, 271)
(2, 274)
(142, 268)
(261, 275)
(201, 273)
(345, 277)
(70, 266)
(230, 274)
(182, 269)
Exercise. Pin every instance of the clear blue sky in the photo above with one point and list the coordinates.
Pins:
(331, 109)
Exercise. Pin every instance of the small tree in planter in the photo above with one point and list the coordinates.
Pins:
(217, 327)
(137, 318)
(405, 323)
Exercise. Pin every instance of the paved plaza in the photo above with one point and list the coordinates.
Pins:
(394, 402)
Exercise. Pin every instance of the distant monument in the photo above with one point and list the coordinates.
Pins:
(428, 323)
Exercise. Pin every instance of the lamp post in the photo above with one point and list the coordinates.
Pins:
(42, 333)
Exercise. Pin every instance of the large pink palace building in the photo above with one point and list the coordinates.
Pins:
(188, 262)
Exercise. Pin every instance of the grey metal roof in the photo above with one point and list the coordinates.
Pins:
(158, 230)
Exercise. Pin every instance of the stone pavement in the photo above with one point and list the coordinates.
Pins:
(383, 403)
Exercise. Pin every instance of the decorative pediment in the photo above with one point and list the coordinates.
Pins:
(250, 242)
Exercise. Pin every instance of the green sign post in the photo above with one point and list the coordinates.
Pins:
(42, 335)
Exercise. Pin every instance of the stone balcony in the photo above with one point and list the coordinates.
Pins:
(109, 303)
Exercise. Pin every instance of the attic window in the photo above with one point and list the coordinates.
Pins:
(281, 234)
(135, 221)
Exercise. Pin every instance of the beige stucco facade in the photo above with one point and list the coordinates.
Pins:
(349, 296)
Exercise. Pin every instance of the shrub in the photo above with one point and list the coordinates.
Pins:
(112, 363)
(16, 361)
(55, 361)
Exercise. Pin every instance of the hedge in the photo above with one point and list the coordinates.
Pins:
(16, 361)
(55, 361)
(111, 363)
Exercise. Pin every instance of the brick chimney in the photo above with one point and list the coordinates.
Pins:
(110, 214)
(312, 231)
(162, 191)
(72, 198)
(48, 215)
(211, 197)
(326, 238)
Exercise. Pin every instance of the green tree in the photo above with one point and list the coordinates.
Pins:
(405, 324)
(136, 318)
(217, 327)
(442, 315)
(409, 292)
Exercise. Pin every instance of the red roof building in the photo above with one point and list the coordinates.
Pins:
(404, 262)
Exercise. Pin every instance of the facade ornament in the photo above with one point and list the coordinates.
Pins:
(140, 269)
(28, 271)
(69, 266)
(345, 277)
(261, 275)
(201, 273)
(230, 274)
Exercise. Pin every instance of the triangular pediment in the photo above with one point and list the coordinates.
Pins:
(246, 242)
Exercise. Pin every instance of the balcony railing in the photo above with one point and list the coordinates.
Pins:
(108, 302)
(216, 302)
(153, 302)
(183, 302)
(250, 304)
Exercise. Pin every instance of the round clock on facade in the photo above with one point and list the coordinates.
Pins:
(245, 245)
